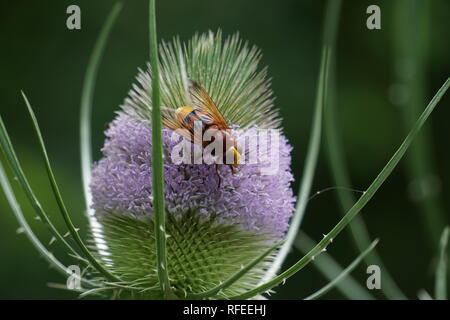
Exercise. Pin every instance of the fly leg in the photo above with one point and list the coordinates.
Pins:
(218, 175)
(233, 169)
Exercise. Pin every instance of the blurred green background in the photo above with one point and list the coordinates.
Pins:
(41, 56)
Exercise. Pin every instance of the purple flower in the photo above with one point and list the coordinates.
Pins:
(121, 183)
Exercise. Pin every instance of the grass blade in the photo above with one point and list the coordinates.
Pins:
(157, 160)
(330, 269)
(362, 201)
(62, 207)
(14, 163)
(233, 278)
(87, 97)
(440, 287)
(343, 274)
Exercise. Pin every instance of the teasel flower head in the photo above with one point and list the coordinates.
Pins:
(217, 221)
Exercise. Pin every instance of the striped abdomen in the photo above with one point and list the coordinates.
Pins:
(190, 116)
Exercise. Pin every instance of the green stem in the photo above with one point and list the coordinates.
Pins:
(157, 160)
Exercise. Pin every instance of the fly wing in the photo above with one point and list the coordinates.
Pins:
(170, 121)
(201, 99)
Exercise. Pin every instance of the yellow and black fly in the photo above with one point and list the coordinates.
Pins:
(206, 113)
